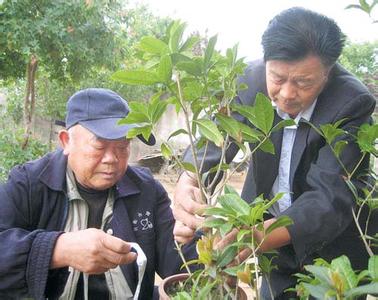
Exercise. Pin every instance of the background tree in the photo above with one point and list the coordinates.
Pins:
(65, 39)
(77, 45)
(74, 45)
(362, 60)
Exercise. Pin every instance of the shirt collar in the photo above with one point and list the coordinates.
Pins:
(305, 114)
(72, 192)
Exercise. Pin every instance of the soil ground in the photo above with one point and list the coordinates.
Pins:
(169, 178)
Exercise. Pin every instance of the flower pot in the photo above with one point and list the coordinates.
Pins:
(163, 287)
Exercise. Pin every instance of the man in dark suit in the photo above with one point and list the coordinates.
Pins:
(301, 76)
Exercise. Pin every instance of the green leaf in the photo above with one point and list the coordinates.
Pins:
(353, 6)
(235, 203)
(188, 167)
(321, 273)
(282, 221)
(191, 67)
(246, 111)
(205, 291)
(145, 131)
(138, 107)
(339, 122)
(209, 51)
(283, 123)
(242, 233)
(134, 118)
(365, 6)
(222, 167)
(175, 35)
(225, 228)
(165, 69)
(249, 134)
(366, 138)
(265, 264)
(209, 130)
(277, 197)
(189, 43)
(370, 288)
(156, 109)
(177, 132)
(227, 256)
(152, 45)
(343, 267)
(331, 132)
(339, 147)
(230, 190)
(166, 150)
(264, 113)
(233, 270)
(135, 77)
(182, 296)
(317, 291)
(192, 90)
(213, 222)
(215, 211)
(177, 57)
(373, 267)
(230, 126)
(256, 213)
(267, 146)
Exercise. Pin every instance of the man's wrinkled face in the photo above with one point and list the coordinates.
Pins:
(97, 163)
(294, 85)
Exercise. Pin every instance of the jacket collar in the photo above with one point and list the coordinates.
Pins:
(54, 176)
(128, 185)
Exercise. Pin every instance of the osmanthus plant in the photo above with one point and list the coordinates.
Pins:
(337, 279)
(202, 83)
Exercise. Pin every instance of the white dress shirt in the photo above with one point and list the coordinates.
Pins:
(282, 182)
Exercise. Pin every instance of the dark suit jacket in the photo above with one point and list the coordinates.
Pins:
(322, 203)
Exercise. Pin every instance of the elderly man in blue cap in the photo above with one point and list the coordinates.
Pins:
(79, 223)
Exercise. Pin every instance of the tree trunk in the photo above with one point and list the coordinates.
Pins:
(29, 105)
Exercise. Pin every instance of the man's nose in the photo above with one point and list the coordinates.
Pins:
(288, 91)
(109, 157)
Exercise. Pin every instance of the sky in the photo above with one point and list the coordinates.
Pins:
(244, 21)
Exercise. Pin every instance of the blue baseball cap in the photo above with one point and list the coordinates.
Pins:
(99, 111)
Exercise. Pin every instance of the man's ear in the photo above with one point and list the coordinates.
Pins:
(64, 140)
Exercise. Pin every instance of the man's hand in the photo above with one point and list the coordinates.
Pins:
(186, 208)
(91, 251)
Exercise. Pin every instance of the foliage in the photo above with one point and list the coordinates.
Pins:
(362, 61)
(68, 38)
(203, 85)
(14, 92)
(337, 280)
(72, 57)
(12, 154)
(366, 6)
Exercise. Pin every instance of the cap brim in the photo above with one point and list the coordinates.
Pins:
(110, 130)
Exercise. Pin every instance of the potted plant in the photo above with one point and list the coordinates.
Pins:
(202, 84)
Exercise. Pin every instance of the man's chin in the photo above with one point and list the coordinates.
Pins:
(102, 185)
(290, 110)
